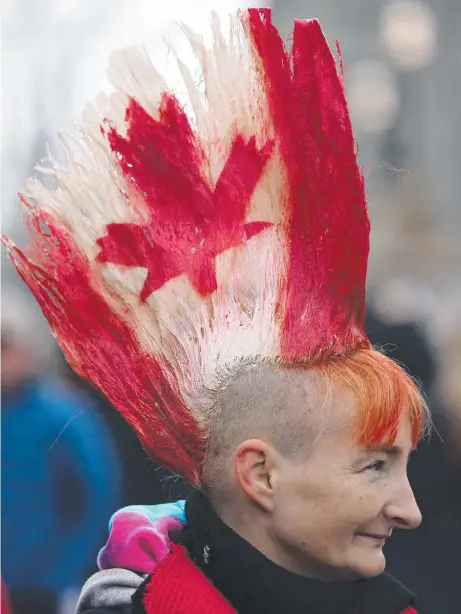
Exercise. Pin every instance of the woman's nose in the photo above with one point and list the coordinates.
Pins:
(403, 510)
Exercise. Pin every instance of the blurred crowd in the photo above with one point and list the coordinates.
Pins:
(69, 462)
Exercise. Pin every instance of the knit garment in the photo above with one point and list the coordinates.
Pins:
(179, 587)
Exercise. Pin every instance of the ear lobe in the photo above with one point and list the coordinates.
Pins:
(253, 470)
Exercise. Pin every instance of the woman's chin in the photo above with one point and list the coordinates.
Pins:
(371, 564)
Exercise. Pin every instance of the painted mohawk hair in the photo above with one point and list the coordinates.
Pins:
(176, 247)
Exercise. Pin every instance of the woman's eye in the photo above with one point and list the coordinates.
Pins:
(377, 466)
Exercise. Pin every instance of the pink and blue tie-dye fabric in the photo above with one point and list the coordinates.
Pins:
(140, 536)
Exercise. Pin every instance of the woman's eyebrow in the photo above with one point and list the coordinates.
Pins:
(388, 450)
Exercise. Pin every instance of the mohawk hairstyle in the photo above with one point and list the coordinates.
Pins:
(176, 248)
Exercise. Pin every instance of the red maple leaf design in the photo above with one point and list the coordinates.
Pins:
(190, 223)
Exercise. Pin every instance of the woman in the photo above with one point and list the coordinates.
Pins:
(209, 278)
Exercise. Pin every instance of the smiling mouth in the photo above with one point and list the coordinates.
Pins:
(375, 536)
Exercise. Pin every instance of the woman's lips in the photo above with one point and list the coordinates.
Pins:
(376, 536)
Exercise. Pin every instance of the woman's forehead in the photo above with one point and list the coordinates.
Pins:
(341, 436)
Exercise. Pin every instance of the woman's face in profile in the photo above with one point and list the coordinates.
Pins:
(336, 509)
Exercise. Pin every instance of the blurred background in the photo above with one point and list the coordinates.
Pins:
(68, 460)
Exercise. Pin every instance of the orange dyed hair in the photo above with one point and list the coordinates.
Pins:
(385, 392)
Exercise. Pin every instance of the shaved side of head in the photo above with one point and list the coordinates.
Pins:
(286, 407)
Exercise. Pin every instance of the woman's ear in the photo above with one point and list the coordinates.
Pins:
(255, 464)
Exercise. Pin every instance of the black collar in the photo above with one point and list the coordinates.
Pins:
(253, 584)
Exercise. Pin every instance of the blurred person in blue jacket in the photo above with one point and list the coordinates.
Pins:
(60, 474)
